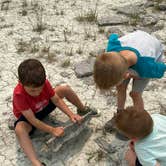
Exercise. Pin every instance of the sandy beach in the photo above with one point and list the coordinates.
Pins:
(59, 34)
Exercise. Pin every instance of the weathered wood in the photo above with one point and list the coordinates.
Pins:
(71, 130)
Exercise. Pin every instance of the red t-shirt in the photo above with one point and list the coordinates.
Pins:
(23, 101)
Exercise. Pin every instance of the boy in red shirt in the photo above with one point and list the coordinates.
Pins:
(33, 99)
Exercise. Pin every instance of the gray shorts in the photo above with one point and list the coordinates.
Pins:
(138, 85)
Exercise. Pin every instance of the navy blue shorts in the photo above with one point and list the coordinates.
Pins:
(137, 163)
(39, 115)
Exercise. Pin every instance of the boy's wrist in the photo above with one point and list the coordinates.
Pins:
(51, 130)
(71, 115)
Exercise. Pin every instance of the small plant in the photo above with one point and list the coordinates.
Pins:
(70, 52)
(89, 34)
(6, 26)
(73, 3)
(22, 46)
(66, 63)
(5, 5)
(79, 50)
(157, 4)
(90, 16)
(39, 25)
(24, 4)
(158, 1)
(66, 32)
(101, 30)
(27, 46)
(100, 155)
(10, 33)
(50, 56)
(34, 48)
(60, 13)
(135, 19)
(24, 11)
(97, 155)
(65, 35)
(46, 49)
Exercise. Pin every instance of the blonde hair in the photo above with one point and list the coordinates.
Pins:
(134, 123)
(109, 69)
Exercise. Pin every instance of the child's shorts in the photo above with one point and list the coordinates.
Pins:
(138, 85)
(39, 115)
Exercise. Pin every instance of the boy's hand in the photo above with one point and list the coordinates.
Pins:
(57, 131)
(76, 118)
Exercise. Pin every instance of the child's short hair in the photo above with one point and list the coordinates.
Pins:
(109, 69)
(134, 123)
(31, 73)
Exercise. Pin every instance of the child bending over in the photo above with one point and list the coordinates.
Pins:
(137, 56)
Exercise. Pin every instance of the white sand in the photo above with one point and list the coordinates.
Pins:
(60, 18)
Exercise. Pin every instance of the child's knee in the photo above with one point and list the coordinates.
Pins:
(62, 90)
(22, 128)
(65, 89)
(135, 95)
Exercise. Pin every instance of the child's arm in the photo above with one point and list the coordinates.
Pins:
(62, 106)
(130, 157)
(121, 95)
(56, 131)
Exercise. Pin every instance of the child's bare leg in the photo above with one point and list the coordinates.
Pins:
(121, 95)
(65, 91)
(22, 131)
(137, 100)
(130, 156)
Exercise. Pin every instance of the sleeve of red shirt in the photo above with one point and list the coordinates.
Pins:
(50, 89)
(20, 103)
